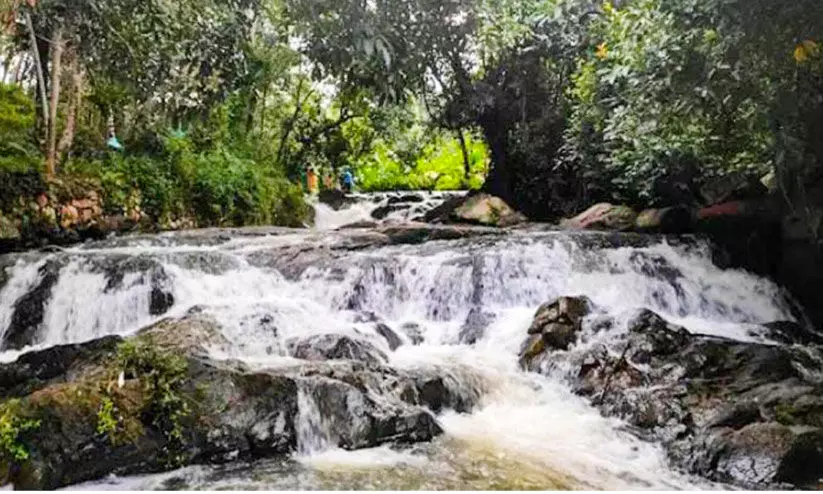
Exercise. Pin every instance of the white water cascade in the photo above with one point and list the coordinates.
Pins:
(387, 206)
(529, 431)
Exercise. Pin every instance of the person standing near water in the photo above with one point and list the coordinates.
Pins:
(311, 178)
(348, 181)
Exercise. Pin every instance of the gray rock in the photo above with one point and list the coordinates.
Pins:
(336, 347)
(740, 413)
(390, 336)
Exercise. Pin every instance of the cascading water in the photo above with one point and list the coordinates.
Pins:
(529, 431)
(387, 206)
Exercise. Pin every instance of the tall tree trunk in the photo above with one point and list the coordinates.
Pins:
(38, 68)
(467, 167)
(56, 68)
(67, 139)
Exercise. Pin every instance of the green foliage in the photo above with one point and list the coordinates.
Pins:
(216, 188)
(18, 151)
(656, 95)
(162, 375)
(12, 427)
(438, 166)
(106, 420)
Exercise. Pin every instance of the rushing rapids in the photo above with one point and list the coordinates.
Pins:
(457, 308)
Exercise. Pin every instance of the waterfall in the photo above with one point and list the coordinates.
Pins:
(267, 290)
(387, 206)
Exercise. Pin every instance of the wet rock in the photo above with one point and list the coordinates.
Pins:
(359, 225)
(419, 233)
(555, 327)
(390, 336)
(353, 421)
(195, 334)
(29, 311)
(603, 216)
(205, 412)
(406, 199)
(487, 210)
(336, 199)
(383, 212)
(441, 392)
(35, 370)
(442, 212)
(474, 328)
(414, 332)
(790, 332)
(734, 412)
(160, 301)
(336, 347)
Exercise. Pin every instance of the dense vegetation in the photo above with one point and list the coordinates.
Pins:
(583, 100)
(222, 106)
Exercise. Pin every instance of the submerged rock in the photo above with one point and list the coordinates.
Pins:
(742, 413)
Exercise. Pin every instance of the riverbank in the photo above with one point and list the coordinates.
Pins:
(35, 212)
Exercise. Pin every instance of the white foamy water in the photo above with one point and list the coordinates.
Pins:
(526, 427)
(388, 206)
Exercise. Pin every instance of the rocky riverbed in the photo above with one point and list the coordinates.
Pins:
(297, 359)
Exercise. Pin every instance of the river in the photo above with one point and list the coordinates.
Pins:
(528, 432)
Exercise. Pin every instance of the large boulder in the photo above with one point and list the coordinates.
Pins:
(157, 401)
(603, 216)
(741, 413)
(487, 210)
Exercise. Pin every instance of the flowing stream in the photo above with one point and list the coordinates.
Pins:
(266, 286)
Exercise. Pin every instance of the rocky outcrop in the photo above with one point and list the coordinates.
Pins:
(156, 401)
(742, 413)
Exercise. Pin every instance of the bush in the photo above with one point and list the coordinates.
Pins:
(656, 96)
(215, 188)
